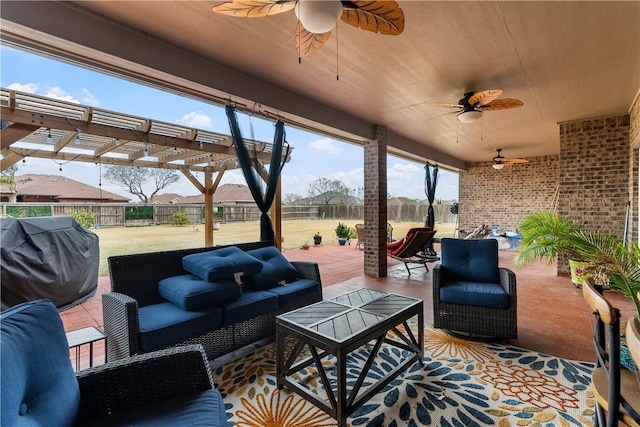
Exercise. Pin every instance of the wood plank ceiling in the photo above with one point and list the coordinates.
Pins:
(565, 60)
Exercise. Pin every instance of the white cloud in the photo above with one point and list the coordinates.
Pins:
(196, 119)
(57, 92)
(89, 98)
(353, 178)
(325, 144)
(405, 172)
(26, 87)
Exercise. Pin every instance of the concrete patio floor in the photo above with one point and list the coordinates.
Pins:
(552, 315)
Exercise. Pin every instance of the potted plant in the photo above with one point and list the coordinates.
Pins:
(317, 239)
(606, 258)
(343, 232)
(545, 236)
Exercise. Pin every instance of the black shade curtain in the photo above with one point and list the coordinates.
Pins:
(263, 198)
(430, 183)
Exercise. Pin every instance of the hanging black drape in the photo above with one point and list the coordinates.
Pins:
(264, 199)
(430, 183)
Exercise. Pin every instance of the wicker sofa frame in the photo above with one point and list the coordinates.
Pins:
(476, 320)
(134, 283)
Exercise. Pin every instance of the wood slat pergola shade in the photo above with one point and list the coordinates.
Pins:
(41, 127)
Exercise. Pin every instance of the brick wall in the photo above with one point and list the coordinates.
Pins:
(634, 169)
(594, 171)
(504, 197)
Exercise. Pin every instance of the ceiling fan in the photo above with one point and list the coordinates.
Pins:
(317, 18)
(500, 161)
(471, 107)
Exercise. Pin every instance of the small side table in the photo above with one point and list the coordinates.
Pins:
(79, 337)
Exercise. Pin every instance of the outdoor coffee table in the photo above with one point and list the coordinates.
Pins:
(339, 326)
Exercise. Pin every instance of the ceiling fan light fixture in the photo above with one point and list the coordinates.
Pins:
(469, 116)
(318, 16)
(498, 166)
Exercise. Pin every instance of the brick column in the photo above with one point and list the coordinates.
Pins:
(375, 205)
(634, 184)
(594, 175)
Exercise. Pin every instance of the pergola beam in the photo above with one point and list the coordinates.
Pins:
(15, 132)
(26, 120)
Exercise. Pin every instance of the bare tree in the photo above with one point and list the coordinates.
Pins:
(132, 179)
(291, 198)
(327, 190)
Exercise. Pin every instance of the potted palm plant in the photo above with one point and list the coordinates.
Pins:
(612, 264)
(343, 232)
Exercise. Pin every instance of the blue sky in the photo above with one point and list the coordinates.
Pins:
(314, 156)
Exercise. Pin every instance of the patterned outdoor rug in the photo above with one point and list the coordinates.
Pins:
(462, 383)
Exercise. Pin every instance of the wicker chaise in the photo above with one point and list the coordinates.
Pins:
(134, 284)
(471, 294)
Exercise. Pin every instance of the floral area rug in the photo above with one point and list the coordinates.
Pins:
(461, 383)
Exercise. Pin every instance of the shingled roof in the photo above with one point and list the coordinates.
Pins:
(61, 188)
(227, 193)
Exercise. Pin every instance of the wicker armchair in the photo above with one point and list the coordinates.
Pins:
(168, 387)
(471, 294)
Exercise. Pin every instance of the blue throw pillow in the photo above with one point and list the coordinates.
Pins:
(190, 292)
(275, 269)
(221, 264)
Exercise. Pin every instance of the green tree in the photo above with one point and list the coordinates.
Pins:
(8, 177)
(133, 179)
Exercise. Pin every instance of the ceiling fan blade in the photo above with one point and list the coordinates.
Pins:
(514, 161)
(502, 104)
(254, 8)
(384, 17)
(484, 97)
(445, 105)
(308, 42)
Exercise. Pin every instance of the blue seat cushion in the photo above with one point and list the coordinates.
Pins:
(190, 292)
(470, 260)
(204, 408)
(475, 293)
(39, 387)
(221, 264)
(249, 305)
(275, 269)
(165, 324)
(291, 294)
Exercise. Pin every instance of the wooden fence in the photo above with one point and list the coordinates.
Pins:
(113, 214)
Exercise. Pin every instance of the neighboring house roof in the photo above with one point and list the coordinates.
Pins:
(167, 198)
(224, 194)
(60, 187)
(402, 201)
(6, 189)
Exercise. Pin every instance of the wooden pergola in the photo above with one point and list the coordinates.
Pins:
(41, 127)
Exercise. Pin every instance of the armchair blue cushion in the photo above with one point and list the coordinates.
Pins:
(39, 386)
(470, 260)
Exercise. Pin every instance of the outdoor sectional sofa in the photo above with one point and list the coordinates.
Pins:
(192, 296)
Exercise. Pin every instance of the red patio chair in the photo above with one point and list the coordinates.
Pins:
(411, 248)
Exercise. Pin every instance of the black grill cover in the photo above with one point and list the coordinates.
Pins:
(47, 257)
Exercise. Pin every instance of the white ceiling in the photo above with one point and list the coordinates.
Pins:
(564, 60)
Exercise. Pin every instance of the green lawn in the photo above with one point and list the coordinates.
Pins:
(152, 238)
